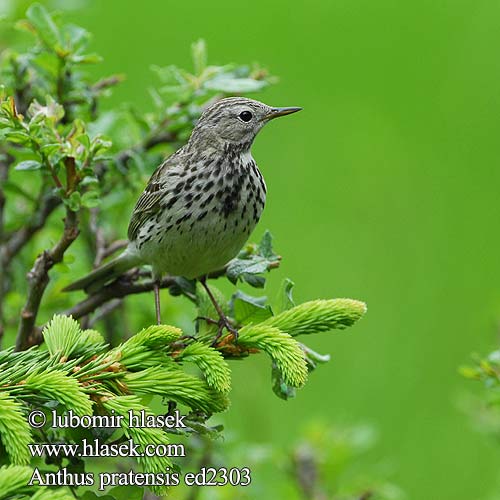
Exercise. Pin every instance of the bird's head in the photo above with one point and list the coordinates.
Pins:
(236, 120)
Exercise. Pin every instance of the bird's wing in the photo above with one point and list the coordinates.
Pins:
(150, 201)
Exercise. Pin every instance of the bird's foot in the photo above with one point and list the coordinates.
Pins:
(224, 323)
(208, 320)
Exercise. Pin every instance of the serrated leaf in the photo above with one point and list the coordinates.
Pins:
(29, 165)
(266, 245)
(254, 280)
(249, 266)
(247, 309)
(183, 286)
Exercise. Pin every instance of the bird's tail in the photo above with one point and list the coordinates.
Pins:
(106, 273)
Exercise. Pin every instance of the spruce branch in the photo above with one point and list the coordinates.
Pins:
(173, 384)
(122, 405)
(14, 481)
(318, 316)
(211, 363)
(15, 432)
(284, 351)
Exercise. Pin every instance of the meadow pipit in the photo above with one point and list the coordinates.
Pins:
(201, 204)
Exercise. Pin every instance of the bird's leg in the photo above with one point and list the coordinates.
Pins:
(207, 319)
(156, 287)
(223, 321)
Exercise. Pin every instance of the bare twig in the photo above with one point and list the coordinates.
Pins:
(105, 83)
(38, 279)
(307, 474)
(116, 290)
(124, 286)
(106, 309)
(206, 459)
(114, 247)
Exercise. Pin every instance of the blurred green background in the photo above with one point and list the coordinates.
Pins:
(385, 188)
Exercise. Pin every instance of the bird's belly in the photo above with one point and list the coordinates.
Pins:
(196, 247)
(206, 223)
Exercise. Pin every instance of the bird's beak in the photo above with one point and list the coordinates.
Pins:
(275, 112)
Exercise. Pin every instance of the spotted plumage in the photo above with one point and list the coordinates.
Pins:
(202, 203)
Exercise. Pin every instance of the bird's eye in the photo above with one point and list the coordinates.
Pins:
(246, 116)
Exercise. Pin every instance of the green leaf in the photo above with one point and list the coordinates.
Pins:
(91, 199)
(252, 262)
(199, 54)
(89, 495)
(182, 286)
(126, 493)
(75, 36)
(50, 148)
(89, 180)
(86, 59)
(48, 62)
(229, 84)
(51, 111)
(17, 136)
(248, 309)
(266, 246)
(247, 269)
(285, 297)
(29, 165)
(45, 27)
(313, 358)
(74, 201)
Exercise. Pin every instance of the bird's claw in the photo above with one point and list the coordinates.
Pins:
(223, 323)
